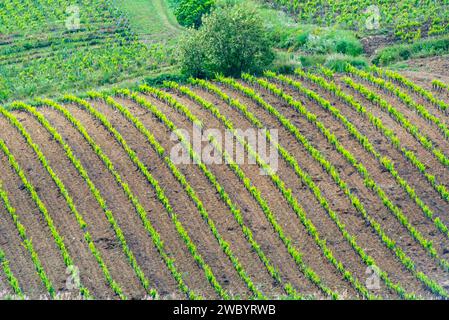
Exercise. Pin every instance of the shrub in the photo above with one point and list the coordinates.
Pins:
(158, 80)
(332, 41)
(316, 40)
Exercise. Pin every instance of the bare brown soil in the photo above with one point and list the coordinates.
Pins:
(140, 242)
(429, 68)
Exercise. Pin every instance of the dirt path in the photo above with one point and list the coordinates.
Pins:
(152, 20)
(166, 16)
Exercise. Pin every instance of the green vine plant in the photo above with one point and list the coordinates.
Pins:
(304, 176)
(155, 237)
(68, 261)
(12, 280)
(440, 86)
(233, 207)
(183, 233)
(368, 181)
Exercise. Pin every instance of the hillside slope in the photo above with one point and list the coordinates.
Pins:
(406, 20)
(152, 21)
(361, 186)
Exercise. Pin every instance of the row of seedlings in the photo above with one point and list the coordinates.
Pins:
(280, 185)
(368, 181)
(233, 207)
(391, 136)
(155, 237)
(304, 176)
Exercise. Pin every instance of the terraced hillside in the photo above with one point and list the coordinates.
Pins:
(357, 208)
(50, 46)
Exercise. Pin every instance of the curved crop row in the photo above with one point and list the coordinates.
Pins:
(180, 177)
(317, 156)
(389, 243)
(307, 180)
(159, 192)
(41, 206)
(392, 137)
(77, 164)
(388, 74)
(386, 162)
(163, 96)
(12, 280)
(403, 96)
(297, 256)
(280, 185)
(368, 181)
(155, 237)
(27, 242)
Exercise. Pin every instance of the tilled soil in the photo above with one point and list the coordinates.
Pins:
(253, 216)
(350, 217)
(393, 191)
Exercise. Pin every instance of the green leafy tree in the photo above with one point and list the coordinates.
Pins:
(190, 12)
(233, 39)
